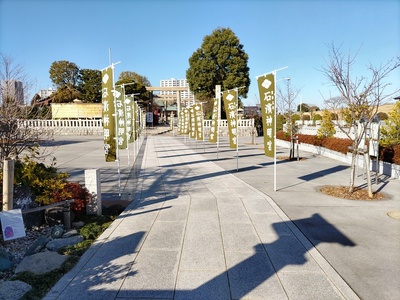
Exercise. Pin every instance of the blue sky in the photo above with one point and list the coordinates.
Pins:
(155, 38)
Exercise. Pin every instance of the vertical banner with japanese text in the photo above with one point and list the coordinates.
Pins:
(198, 113)
(120, 111)
(192, 123)
(186, 121)
(135, 121)
(213, 137)
(130, 118)
(230, 104)
(107, 99)
(266, 88)
(181, 121)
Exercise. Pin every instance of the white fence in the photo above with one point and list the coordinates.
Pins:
(68, 127)
(95, 126)
(313, 130)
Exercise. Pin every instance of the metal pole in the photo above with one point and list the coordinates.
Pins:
(116, 128)
(218, 96)
(274, 72)
(237, 132)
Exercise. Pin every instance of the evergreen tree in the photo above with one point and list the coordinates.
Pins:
(327, 128)
(221, 60)
(391, 132)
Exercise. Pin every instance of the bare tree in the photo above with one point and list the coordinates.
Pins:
(286, 105)
(360, 98)
(16, 136)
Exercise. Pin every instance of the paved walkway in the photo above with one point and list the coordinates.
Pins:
(195, 231)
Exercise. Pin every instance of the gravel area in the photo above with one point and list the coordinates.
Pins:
(18, 247)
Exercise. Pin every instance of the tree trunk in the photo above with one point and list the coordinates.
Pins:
(353, 170)
(370, 194)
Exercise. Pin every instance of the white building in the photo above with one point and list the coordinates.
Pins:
(186, 96)
(46, 93)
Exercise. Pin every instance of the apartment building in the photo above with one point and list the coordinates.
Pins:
(185, 95)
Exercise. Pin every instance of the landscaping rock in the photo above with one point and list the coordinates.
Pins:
(56, 244)
(70, 233)
(12, 290)
(77, 225)
(41, 263)
(5, 264)
(57, 232)
(38, 245)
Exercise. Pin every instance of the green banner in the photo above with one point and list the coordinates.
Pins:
(186, 122)
(135, 121)
(231, 107)
(266, 88)
(129, 118)
(120, 112)
(198, 114)
(192, 123)
(213, 137)
(107, 100)
(181, 121)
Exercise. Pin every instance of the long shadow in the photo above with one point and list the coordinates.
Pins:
(286, 250)
(241, 279)
(54, 143)
(103, 264)
(322, 173)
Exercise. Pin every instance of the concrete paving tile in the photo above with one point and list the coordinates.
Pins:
(202, 252)
(252, 276)
(239, 237)
(173, 212)
(233, 213)
(270, 227)
(229, 198)
(201, 285)
(289, 255)
(257, 205)
(308, 285)
(203, 203)
(165, 235)
(244, 191)
(203, 222)
(153, 275)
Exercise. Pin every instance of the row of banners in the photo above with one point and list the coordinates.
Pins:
(121, 116)
(191, 119)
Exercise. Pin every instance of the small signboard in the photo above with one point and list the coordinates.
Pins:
(149, 117)
(12, 224)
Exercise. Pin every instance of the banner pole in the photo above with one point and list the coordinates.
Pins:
(275, 131)
(219, 115)
(237, 131)
(116, 129)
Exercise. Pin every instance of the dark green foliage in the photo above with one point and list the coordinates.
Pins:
(95, 225)
(221, 60)
(90, 85)
(133, 86)
(280, 120)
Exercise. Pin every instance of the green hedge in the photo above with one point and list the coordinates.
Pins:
(388, 154)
